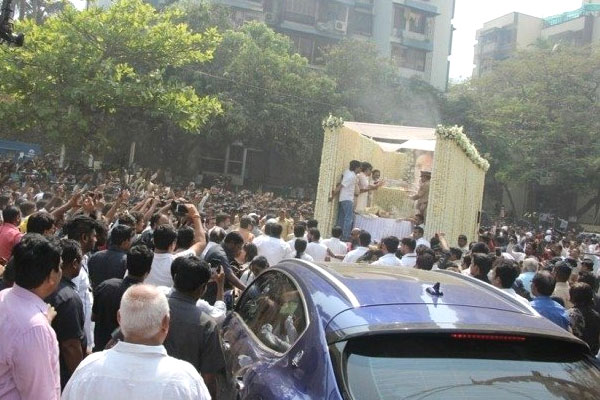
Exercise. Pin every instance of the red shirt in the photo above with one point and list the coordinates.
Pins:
(10, 235)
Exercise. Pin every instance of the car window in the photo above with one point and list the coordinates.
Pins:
(394, 367)
(273, 309)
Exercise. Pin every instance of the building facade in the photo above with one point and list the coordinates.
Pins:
(415, 34)
(500, 38)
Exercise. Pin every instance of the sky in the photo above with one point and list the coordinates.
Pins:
(470, 15)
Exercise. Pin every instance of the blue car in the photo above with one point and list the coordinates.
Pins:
(338, 332)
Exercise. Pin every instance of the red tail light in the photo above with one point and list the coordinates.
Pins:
(495, 338)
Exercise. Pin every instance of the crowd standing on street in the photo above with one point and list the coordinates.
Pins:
(114, 285)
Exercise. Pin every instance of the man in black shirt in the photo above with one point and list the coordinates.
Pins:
(111, 263)
(193, 335)
(223, 255)
(69, 320)
(107, 295)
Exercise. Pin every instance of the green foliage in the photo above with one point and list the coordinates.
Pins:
(537, 117)
(91, 78)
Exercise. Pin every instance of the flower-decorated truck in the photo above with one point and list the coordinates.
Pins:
(456, 186)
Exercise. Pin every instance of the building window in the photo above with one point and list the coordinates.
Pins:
(410, 20)
(303, 45)
(361, 23)
(301, 11)
(405, 57)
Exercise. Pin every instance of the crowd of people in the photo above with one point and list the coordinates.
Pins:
(115, 283)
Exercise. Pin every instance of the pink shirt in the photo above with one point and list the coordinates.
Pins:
(29, 367)
(10, 235)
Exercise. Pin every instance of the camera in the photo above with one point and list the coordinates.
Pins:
(178, 209)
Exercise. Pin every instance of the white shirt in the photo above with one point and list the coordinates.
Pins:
(355, 254)
(423, 241)
(273, 249)
(336, 246)
(160, 271)
(317, 251)
(409, 260)
(348, 186)
(134, 371)
(388, 260)
(306, 257)
(82, 285)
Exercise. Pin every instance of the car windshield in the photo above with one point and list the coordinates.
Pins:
(393, 368)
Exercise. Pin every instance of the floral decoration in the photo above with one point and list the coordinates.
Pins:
(332, 122)
(456, 134)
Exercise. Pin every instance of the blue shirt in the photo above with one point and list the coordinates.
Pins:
(551, 310)
(526, 278)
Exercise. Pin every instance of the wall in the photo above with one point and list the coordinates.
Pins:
(442, 43)
(528, 30)
(455, 194)
(340, 146)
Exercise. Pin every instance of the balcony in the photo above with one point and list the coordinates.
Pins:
(412, 39)
(419, 5)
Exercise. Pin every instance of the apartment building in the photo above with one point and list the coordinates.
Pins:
(501, 37)
(415, 34)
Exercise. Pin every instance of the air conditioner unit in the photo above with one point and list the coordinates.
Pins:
(341, 26)
(270, 17)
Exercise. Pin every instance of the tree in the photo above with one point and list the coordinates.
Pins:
(272, 99)
(96, 79)
(537, 117)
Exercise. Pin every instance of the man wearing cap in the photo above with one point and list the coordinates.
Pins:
(422, 196)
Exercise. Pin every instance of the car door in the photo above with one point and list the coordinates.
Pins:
(262, 339)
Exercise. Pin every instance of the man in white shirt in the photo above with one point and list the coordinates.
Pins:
(407, 248)
(504, 276)
(165, 241)
(334, 244)
(346, 191)
(463, 244)
(418, 233)
(315, 249)
(299, 232)
(271, 246)
(364, 239)
(389, 246)
(138, 367)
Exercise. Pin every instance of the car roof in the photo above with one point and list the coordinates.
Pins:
(373, 294)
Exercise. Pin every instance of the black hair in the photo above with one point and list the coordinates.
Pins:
(364, 238)
(562, 271)
(70, 250)
(410, 243)
(216, 234)
(138, 216)
(221, 217)
(456, 252)
(276, 230)
(261, 262)
(11, 214)
(463, 237)
(234, 238)
(336, 232)
(365, 166)
(246, 222)
(507, 271)
(312, 223)
(139, 260)
(251, 251)
(419, 229)
(120, 234)
(483, 262)
(40, 222)
(79, 226)
(154, 219)
(480, 248)
(190, 273)
(299, 230)
(35, 257)
(589, 264)
(354, 164)
(40, 204)
(27, 207)
(425, 261)
(581, 294)
(300, 247)
(391, 243)
(185, 237)
(126, 219)
(164, 236)
(315, 235)
(589, 278)
(544, 283)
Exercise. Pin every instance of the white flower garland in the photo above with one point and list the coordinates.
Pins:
(456, 134)
(332, 122)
